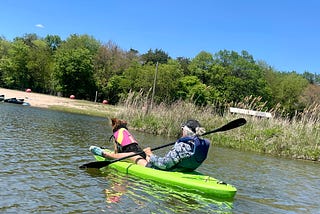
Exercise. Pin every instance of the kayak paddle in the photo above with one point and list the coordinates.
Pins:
(99, 164)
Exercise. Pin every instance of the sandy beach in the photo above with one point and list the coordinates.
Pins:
(48, 101)
(37, 100)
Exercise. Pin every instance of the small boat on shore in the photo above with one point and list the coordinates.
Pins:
(14, 100)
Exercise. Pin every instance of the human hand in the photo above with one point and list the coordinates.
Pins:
(148, 151)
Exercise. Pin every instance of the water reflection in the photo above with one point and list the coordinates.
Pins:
(146, 197)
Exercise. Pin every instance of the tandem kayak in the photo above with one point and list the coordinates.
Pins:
(187, 181)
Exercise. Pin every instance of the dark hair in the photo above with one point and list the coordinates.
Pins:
(118, 124)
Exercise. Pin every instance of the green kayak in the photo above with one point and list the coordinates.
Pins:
(188, 181)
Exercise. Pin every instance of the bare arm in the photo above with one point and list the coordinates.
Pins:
(136, 159)
(116, 155)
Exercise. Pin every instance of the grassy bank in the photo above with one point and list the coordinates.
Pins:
(297, 137)
(88, 108)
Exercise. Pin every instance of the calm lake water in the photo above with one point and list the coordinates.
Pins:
(41, 151)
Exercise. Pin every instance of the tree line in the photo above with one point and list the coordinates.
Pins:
(82, 66)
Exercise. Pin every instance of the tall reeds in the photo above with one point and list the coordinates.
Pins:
(294, 137)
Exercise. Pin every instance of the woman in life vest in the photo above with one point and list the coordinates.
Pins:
(124, 143)
(188, 152)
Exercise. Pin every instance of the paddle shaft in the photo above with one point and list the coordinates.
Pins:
(98, 164)
(140, 153)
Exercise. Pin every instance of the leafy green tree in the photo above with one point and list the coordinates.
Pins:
(238, 76)
(74, 69)
(53, 41)
(317, 79)
(167, 84)
(191, 88)
(287, 89)
(14, 66)
(141, 78)
(27, 39)
(110, 60)
(4, 52)
(155, 56)
(114, 89)
(312, 78)
(26, 63)
(133, 55)
(85, 41)
(74, 73)
(40, 67)
(200, 66)
(4, 47)
(138, 77)
(184, 63)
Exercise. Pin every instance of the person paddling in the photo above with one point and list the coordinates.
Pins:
(187, 154)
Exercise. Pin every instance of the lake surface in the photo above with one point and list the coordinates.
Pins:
(41, 151)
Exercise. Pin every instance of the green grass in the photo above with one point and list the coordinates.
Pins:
(88, 108)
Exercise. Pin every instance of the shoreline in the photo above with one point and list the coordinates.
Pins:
(277, 137)
(36, 99)
(61, 103)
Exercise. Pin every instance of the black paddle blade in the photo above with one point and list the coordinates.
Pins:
(231, 125)
(96, 164)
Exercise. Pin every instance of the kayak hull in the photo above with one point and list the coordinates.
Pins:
(188, 181)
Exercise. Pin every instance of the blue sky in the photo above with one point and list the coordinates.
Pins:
(285, 34)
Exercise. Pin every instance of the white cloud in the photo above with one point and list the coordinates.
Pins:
(39, 26)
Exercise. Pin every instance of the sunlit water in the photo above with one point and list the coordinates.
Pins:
(41, 151)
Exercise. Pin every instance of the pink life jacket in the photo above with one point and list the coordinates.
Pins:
(123, 137)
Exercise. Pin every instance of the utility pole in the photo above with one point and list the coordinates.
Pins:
(154, 85)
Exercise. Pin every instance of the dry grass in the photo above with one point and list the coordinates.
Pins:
(296, 137)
